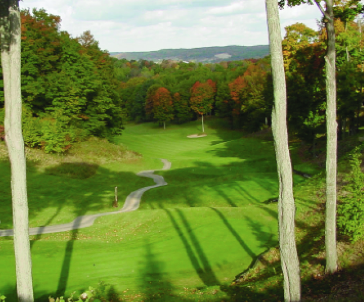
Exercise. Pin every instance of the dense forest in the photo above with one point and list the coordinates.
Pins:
(72, 89)
(68, 86)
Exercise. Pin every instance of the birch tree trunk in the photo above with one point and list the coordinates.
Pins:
(11, 61)
(331, 157)
(286, 206)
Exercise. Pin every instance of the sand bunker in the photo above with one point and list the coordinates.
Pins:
(196, 135)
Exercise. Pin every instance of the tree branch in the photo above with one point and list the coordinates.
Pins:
(326, 15)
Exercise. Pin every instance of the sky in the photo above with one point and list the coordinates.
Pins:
(147, 25)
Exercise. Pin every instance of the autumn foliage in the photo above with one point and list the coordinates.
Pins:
(202, 96)
(159, 103)
(247, 89)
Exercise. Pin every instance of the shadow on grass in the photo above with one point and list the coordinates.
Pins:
(207, 185)
(267, 283)
(79, 170)
(67, 197)
(234, 233)
(205, 272)
(65, 270)
(154, 284)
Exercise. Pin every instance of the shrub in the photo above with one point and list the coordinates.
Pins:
(351, 207)
(31, 129)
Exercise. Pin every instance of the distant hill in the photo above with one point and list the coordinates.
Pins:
(204, 54)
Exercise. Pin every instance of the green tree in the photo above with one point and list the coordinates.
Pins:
(10, 30)
(182, 111)
(331, 132)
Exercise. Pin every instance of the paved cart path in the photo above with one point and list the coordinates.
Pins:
(131, 204)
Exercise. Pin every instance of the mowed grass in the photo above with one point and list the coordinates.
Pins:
(220, 170)
(187, 242)
(61, 188)
(147, 252)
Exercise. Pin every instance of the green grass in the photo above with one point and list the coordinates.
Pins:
(174, 248)
(189, 239)
(220, 170)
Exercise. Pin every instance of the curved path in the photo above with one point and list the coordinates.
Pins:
(131, 204)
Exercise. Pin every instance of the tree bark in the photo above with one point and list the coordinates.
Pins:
(286, 206)
(331, 157)
(203, 128)
(11, 61)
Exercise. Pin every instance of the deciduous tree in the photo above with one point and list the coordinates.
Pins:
(202, 97)
(286, 206)
(10, 61)
(159, 102)
(331, 128)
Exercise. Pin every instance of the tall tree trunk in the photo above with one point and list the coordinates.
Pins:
(11, 61)
(286, 206)
(331, 157)
(203, 128)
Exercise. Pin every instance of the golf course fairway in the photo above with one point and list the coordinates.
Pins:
(206, 226)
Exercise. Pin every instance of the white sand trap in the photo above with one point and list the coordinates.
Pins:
(196, 135)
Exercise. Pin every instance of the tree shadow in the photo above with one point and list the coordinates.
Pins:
(234, 233)
(194, 251)
(154, 284)
(79, 170)
(226, 184)
(308, 247)
(69, 197)
(65, 270)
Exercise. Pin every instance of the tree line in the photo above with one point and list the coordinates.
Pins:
(72, 89)
(242, 91)
(68, 86)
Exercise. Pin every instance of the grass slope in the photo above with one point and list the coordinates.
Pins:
(190, 238)
(222, 169)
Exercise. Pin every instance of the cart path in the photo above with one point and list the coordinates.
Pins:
(131, 204)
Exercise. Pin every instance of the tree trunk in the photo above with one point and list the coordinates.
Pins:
(203, 129)
(340, 129)
(11, 61)
(286, 206)
(164, 125)
(331, 157)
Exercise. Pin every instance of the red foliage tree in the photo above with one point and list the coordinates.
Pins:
(202, 97)
(160, 104)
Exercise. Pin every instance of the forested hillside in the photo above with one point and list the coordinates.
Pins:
(68, 86)
(203, 54)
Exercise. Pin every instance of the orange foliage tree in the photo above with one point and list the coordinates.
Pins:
(247, 93)
(202, 97)
(159, 103)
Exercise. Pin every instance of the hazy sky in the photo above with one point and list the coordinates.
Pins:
(145, 25)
